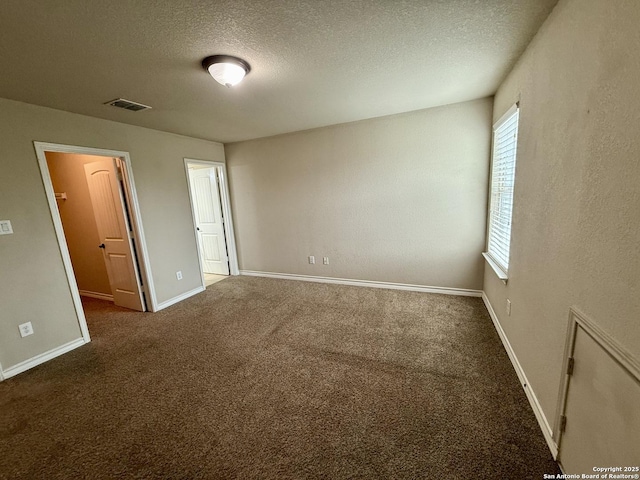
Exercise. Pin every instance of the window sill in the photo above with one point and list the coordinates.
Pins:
(502, 275)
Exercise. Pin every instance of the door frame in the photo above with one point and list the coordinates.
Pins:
(609, 345)
(138, 232)
(227, 221)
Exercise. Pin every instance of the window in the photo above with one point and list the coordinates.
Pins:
(503, 169)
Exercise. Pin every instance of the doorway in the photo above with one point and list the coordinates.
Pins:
(92, 200)
(211, 214)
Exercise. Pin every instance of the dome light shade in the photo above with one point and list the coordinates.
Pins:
(226, 70)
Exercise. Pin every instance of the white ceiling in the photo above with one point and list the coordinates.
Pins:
(314, 62)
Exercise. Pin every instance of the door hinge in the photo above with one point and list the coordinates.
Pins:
(563, 423)
(570, 364)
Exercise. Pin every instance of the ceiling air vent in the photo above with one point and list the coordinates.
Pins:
(128, 105)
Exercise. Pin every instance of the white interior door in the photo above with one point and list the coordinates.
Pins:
(108, 209)
(208, 215)
(602, 412)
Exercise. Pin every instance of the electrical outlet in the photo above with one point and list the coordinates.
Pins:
(325, 260)
(312, 259)
(5, 227)
(508, 307)
(179, 274)
(25, 329)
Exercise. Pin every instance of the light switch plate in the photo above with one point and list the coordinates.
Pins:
(5, 227)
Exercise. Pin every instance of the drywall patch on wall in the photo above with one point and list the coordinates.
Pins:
(399, 199)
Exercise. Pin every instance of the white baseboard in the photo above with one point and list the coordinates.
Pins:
(366, 283)
(98, 295)
(531, 396)
(179, 298)
(43, 357)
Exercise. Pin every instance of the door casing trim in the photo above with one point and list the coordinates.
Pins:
(604, 340)
(143, 255)
(226, 214)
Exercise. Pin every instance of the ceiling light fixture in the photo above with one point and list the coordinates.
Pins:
(225, 69)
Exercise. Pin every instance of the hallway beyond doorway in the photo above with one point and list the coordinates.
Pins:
(211, 278)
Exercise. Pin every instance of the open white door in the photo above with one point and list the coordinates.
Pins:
(108, 208)
(208, 216)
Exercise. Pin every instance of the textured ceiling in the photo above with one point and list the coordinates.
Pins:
(314, 62)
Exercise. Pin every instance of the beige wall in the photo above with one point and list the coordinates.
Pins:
(33, 286)
(80, 230)
(576, 224)
(394, 199)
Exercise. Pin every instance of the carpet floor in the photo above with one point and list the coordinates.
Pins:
(261, 378)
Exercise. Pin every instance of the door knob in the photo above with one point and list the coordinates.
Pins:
(101, 245)
(198, 228)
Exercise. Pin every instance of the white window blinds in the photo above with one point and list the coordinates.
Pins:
(503, 169)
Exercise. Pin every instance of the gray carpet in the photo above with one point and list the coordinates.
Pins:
(271, 379)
